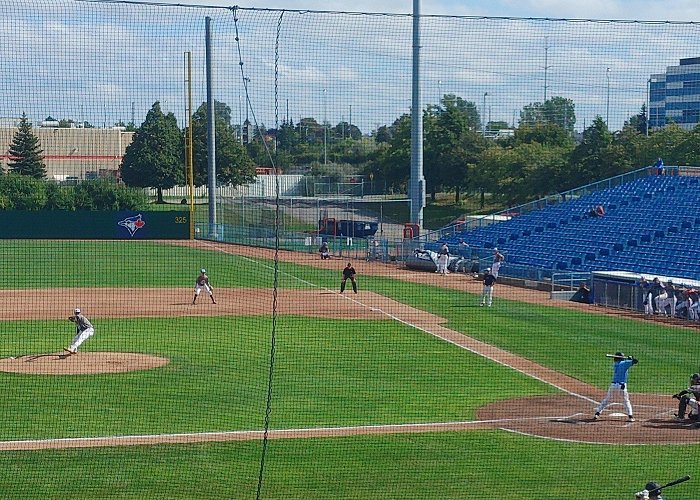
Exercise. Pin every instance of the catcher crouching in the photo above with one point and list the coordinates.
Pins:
(688, 400)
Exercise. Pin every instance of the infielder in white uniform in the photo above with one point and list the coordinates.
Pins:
(202, 281)
(83, 331)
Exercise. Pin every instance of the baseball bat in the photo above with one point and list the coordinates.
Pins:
(615, 356)
(673, 483)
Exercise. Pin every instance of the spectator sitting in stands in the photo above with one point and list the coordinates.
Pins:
(597, 211)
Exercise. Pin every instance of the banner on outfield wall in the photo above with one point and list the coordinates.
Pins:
(97, 225)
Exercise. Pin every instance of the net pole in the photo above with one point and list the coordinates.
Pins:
(190, 157)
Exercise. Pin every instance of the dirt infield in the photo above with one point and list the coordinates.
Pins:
(562, 417)
(82, 363)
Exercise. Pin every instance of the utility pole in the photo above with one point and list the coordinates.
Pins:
(546, 67)
(607, 105)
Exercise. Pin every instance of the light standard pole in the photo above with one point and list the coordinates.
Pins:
(325, 131)
(483, 118)
(439, 91)
(546, 56)
(646, 132)
(607, 106)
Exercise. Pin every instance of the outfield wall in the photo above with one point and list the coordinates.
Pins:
(98, 225)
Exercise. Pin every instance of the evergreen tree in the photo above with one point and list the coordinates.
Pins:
(25, 152)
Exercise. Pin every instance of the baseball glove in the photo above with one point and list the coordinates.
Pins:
(680, 394)
(71, 318)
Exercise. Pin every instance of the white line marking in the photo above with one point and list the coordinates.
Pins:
(577, 441)
(273, 432)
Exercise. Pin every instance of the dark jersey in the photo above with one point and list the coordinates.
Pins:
(489, 279)
(348, 272)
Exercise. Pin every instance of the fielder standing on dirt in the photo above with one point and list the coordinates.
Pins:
(83, 331)
(202, 281)
(349, 274)
(621, 365)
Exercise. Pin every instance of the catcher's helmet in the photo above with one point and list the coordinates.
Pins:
(695, 376)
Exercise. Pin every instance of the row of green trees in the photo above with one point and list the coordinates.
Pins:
(24, 192)
(542, 157)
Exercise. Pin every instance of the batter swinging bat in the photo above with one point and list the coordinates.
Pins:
(673, 483)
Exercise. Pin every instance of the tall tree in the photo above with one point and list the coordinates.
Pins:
(155, 157)
(452, 144)
(557, 110)
(639, 121)
(233, 165)
(25, 152)
(597, 156)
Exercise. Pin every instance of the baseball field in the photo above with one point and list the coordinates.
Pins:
(407, 389)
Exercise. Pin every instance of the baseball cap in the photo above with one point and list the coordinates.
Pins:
(77, 310)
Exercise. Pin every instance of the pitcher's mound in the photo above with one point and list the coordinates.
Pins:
(82, 363)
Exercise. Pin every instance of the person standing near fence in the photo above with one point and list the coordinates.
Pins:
(647, 299)
(498, 260)
(443, 259)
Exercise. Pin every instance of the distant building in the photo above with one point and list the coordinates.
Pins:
(674, 96)
(73, 153)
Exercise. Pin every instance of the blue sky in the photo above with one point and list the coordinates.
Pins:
(677, 10)
(106, 62)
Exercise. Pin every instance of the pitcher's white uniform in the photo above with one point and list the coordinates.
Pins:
(83, 331)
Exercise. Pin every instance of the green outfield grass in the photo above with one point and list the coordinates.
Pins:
(327, 373)
(473, 464)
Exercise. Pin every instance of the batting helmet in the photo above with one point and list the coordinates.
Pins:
(652, 487)
(77, 311)
(203, 270)
(620, 354)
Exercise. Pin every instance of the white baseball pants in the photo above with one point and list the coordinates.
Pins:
(81, 337)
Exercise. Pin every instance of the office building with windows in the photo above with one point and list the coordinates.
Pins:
(674, 96)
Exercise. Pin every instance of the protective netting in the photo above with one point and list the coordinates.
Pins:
(269, 382)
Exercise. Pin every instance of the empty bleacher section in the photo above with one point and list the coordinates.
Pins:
(651, 226)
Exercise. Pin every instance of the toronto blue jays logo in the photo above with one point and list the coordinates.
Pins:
(133, 223)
